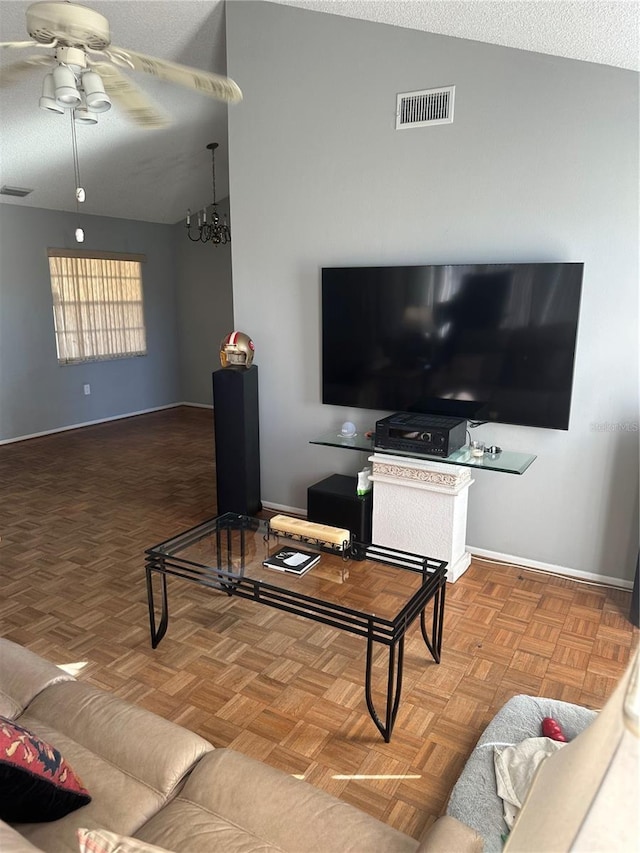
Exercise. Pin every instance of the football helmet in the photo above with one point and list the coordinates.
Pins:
(236, 350)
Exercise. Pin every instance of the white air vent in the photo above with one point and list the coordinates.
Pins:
(419, 109)
(19, 192)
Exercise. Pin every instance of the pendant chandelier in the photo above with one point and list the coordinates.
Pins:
(208, 227)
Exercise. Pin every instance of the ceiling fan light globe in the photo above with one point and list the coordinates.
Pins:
(50, 105)
(99, 104)
(67, 98)
(97, 99)
(66, 92)
(48, 86)
(81, 115)
(48, 99)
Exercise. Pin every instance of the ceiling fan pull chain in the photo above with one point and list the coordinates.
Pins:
(80, 193)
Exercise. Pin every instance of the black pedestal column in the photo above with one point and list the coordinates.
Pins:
(237, 439)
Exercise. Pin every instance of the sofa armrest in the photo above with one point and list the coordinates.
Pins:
(23, 675)
(448, 834)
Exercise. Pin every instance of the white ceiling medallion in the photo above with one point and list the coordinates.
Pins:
(424, 108)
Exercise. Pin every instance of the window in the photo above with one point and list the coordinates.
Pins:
(97, 305)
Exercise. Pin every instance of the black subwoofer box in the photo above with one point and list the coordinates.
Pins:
(237, 439)
(335, 501)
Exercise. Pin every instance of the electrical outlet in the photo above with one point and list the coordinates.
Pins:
(87, 389)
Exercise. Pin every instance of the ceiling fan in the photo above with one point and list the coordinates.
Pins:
(85, 68)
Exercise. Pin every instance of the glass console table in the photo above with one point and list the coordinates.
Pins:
(420, 501)
(507, 461)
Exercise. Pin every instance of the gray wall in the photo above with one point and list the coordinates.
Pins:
(541, 164)
(36, 393)
(205, 310)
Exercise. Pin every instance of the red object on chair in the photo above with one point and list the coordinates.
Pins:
(551, 728)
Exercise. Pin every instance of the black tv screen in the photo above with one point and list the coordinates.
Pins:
(484, 342)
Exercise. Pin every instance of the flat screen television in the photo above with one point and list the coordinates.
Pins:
(483, 342)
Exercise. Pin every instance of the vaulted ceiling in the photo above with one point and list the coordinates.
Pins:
(156, 175)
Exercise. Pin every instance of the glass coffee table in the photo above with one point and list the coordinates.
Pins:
(375, 593)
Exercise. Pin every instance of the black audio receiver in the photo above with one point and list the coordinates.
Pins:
(432, 435)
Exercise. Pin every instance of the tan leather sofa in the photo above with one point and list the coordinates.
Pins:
(168, 787)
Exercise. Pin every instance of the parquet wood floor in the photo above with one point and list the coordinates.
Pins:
(77, 510)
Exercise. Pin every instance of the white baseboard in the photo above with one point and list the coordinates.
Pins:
(286, 509)
(91, 423)
(507, 559)
(549, 568)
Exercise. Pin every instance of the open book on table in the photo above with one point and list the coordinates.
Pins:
(294, 560)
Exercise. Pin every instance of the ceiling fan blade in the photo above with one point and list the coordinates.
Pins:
(20, 44)
(134, 103)
(17, 70)
(205, 82)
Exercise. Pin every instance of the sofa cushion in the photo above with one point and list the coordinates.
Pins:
(102, 841)
(12, 842)
(234, 803)
(36, 782)
(474, 799)
(142, 744)
(131, 760)
(23, 675)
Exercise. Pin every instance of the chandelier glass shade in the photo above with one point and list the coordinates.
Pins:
(208, 226)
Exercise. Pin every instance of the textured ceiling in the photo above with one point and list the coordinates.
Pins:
(156, 175)
(604, 31)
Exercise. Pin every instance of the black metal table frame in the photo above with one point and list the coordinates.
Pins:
(375, 629)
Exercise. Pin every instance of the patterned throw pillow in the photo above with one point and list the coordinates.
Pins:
(36, 783)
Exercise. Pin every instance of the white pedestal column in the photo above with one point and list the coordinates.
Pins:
(421, 507)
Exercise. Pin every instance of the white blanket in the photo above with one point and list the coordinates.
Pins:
(515, 768)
